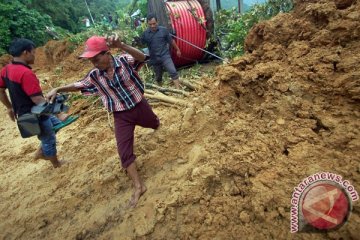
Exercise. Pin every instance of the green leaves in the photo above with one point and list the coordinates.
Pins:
(232, 27)
(29, 18)
(18, 21)
(125, 25)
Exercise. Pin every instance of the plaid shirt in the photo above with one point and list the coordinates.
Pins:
(122, 92)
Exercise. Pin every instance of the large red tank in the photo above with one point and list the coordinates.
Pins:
(188, 21)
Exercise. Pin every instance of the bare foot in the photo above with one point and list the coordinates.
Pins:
(136, 195)
(57, 163)
(177, 84)
(38, 154)
(54, 160)
(62, 116)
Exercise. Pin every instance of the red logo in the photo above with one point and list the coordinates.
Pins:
(325, 206)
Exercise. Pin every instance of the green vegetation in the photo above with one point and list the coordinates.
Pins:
(68, 14)
(18, 21)
(29, 18)
(125, 24)
(232, 27)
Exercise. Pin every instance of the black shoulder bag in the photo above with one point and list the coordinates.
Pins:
(28, 123)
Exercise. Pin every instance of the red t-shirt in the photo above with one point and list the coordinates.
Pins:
(22, 84)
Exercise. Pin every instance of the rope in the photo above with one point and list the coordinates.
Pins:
(199, 48)
(109, 121)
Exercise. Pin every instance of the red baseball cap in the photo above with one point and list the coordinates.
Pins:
(94, 46)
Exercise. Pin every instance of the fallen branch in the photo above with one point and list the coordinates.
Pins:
(156, 104)
(189, 85)
(149, 91)
(163, 90)
(164, 98)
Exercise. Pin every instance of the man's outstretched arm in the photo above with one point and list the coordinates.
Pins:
(50, 96)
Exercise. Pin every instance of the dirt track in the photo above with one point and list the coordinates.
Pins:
(222, 168)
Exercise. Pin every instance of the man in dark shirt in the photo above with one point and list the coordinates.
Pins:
(25, 92)
(158, 40)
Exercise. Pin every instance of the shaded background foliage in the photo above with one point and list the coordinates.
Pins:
(232, 27)
(68, 13)
(29, 18)
(16, 20)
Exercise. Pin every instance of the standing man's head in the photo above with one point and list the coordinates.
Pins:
(23, 49)
(152, 22)
(97, 51)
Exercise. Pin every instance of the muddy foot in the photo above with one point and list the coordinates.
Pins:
(57, 164)
(54, 160)
(136, 195)
(38, 154)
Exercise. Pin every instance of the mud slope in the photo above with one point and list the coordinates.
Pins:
(222, 168)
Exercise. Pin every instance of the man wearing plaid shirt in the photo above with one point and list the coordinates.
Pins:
(116, 81)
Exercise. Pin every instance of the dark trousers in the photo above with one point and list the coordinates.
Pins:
(169, 66)
(125, 122)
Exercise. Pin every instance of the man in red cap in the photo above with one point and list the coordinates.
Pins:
(116, 81)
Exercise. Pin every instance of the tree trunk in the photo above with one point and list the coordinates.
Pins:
(205, 4)
(218, 4)
(158, 8)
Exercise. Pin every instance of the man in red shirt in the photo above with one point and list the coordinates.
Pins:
(116, 81)
(25, 92)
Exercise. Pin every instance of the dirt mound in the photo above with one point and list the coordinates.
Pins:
(52, 53)
(5, 59)
(224, 167)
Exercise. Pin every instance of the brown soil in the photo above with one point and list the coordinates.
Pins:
(224, 167)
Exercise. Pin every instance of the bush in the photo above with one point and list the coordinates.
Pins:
(124, 29)
(232, 27)
(17, 21)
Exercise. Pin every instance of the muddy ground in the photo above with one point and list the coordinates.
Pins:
(225, 166)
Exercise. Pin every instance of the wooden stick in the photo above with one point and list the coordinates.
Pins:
(149, 91)
(156, 104)
(162, 89)
(189, 85)
(164, 98)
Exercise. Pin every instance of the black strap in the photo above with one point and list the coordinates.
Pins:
(7, 83)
